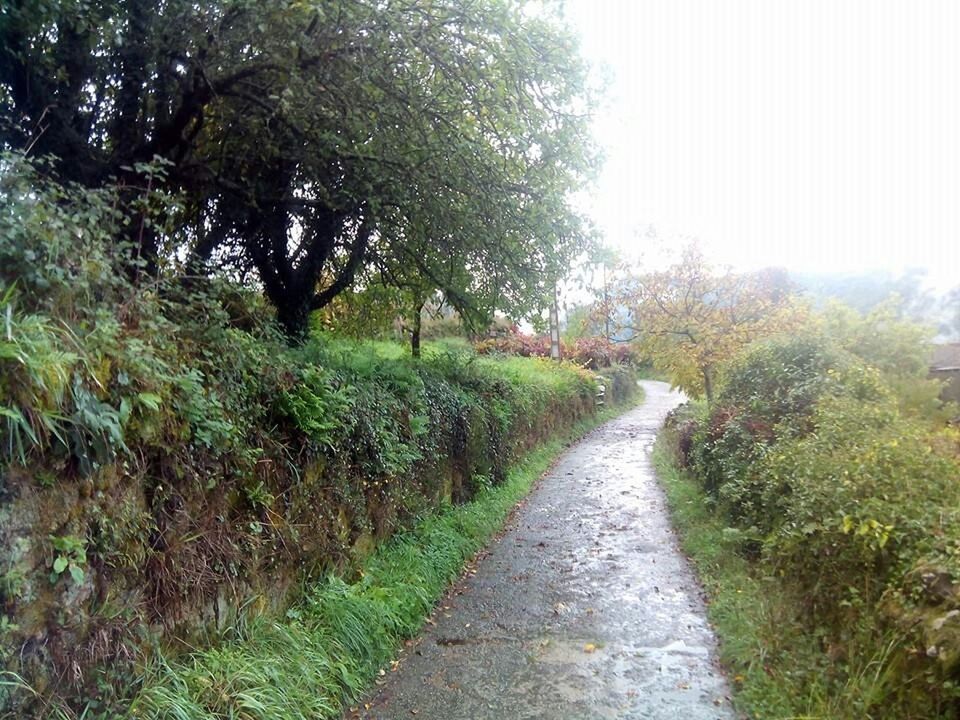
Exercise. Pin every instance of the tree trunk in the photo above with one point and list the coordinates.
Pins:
(708, 384)
(415, 332)
(294, 318)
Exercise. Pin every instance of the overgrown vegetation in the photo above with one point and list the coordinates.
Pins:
(183, 186)
(168, 458)
(330, 645)
(820, 496)
(590, 352)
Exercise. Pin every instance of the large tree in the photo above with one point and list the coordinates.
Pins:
(312, 137)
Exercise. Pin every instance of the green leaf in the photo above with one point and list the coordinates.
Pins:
(125, 410)
(76, 572)
(60, 564)
(151, 400)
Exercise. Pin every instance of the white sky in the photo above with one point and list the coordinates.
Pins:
(818, 135)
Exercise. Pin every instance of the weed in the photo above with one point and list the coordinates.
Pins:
(71, 556)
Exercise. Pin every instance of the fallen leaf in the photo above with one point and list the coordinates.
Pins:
(589, 648)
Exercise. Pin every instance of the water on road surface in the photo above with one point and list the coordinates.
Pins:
(584, 609)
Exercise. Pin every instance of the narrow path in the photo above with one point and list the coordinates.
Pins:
(584, 609)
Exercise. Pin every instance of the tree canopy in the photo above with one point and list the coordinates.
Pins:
(689, 319)
(311, 140)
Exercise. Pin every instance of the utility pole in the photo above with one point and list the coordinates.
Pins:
(554, 327)
(606, 304)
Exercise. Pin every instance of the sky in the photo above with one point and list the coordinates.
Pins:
(816, 135)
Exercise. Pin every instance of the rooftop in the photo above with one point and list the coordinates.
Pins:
(945, 357)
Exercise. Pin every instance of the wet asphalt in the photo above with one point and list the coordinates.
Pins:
(584, 608)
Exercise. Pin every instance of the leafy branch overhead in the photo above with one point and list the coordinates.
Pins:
(312, 140)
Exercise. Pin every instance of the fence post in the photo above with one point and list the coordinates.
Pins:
(554, 327)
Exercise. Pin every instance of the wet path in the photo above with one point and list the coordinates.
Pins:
(584, 609)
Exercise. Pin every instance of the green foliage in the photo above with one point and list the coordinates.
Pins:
(318, 142)
(897, 347)
(881, 337)
(888, 493)
(93, 358)
(317, 406)
(71, 555)
(779, 665)
(768, 394)
(838, 483)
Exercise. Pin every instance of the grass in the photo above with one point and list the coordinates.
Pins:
(330, 646)
(742, 607)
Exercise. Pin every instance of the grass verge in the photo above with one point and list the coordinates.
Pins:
(739, 605)
(328, 648)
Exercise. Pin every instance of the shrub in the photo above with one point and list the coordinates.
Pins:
(898, 348)
(767, 393)
(850, 495)
(590, 352)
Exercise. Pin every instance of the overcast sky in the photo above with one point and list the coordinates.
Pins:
(810, 134)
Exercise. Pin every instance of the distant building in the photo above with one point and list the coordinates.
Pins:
(945, 365)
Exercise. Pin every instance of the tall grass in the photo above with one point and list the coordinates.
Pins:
(331, 644)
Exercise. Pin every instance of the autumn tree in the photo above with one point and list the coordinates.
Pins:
(311, 138)
(690, 319)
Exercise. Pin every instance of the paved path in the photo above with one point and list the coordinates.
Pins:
(583, 609)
